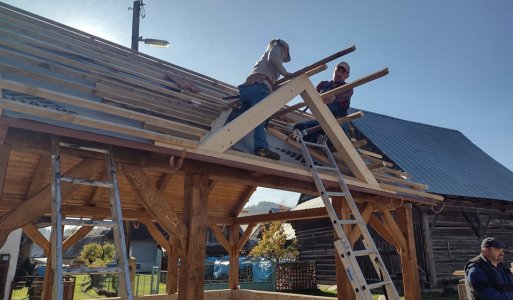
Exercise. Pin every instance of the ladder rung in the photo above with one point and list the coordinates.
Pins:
(378, 284)
(344, 222)
(363, 252)
(100, 183)
(78, 222)
(336, 194)
(317, 145)
(323, 168)
(108, 270)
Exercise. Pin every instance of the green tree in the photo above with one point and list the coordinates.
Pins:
(96, 255)
(272, 244)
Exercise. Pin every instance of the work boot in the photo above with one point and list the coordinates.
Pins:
(264, 152)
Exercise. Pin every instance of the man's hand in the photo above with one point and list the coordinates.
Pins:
(329, 99)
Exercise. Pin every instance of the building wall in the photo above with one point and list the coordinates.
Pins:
(11, 247)
(145, 253)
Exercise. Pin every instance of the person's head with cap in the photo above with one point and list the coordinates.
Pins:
(284, 48)
(341, 72)
(493, 250)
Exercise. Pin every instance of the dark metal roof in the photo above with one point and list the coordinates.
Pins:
(444, 159)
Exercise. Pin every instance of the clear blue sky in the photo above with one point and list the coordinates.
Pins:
(450, 62)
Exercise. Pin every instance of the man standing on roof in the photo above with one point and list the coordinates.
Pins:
(486, 277)
(337, 104)
(259, 85)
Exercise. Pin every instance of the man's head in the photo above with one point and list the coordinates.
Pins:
(341, 72)
(493, 250)
(284, 48)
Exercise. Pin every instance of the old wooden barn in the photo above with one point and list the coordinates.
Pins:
(173, 153)
(478, 194)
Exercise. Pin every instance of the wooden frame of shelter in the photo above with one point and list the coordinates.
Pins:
(173, 153)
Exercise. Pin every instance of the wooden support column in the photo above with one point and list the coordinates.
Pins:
(192, 275)
(344, 288)
(428, 249)
(409, 255)
(233, 277)
(172, 267)
(5, 150)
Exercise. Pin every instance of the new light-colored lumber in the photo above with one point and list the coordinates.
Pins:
(345, 150)
(232, 132)
(411, 192)
(389, 179)
(341, 120)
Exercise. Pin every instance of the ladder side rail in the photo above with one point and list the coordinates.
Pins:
(56, 234)
(343, 247)
(124, 288)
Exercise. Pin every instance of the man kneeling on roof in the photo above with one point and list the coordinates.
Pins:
(259, 85)
(337, 104)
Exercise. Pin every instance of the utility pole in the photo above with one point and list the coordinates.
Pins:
(135, 24)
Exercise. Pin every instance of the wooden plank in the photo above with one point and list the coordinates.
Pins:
(152, 201)
(86, 103)
(350, 117)
(356, 83)
(410, 271)
(232, 132)
(92, 123)
(428, 249)
(389, 221)
(39, 204)
(411, 192)
(382, 230)
(192, 278)
(35, 236)
(345, 150)
(396, 180)
(156, 234)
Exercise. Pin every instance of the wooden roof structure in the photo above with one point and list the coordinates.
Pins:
(173, 151)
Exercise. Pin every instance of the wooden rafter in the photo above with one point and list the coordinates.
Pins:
(152, 201)
(39, 204)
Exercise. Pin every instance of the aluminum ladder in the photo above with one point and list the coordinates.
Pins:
(116, 223)
(342, 244)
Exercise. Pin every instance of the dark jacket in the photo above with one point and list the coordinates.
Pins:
(484, 281)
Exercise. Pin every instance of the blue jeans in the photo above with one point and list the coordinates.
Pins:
(250, 95)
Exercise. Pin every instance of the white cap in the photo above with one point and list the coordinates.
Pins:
(343, 65)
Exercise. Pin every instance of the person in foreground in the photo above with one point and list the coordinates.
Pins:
(259, 84)
(486, 277)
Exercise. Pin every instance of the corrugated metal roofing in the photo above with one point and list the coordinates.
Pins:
(444, 159)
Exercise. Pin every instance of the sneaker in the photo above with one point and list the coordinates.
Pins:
(264, 152)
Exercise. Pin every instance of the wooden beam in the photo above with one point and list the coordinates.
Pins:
(152, 201)
(35, 236)
(410, 270)
(341, 120)
(245, 237)
(345, 150)
(220, 238)
(163, 181)
(78, 235)
(233, 275)
(39, 180)
(156, 234)
(192, 276)
(382, 230)
(232, 132)
(366, 212)
(303, 214)
(39, 204)
(172, 267)
(5, 150)
(356, 83)
(389, 221)
(243, 200)
(344, 288)
(428, 249)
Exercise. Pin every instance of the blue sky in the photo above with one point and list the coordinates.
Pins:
(450, 62)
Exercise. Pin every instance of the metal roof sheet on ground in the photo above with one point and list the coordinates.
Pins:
(444, 159)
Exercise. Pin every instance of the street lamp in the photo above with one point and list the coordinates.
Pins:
(135, 30)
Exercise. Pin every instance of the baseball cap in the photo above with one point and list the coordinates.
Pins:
(343, 65)
(492, 242)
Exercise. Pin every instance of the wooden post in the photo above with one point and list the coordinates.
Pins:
(192, 267)
(409, 255)
(233, 277)
(172, 267)
(344, 288)
(428, 249)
